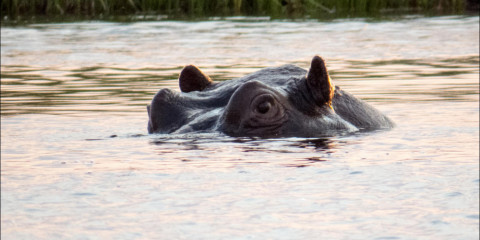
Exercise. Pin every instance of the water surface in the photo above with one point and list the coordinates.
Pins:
(77, 162)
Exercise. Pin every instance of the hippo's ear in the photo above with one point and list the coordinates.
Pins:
(192, 79)
(319, 82)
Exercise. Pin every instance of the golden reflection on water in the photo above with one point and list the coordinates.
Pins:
(120, 90)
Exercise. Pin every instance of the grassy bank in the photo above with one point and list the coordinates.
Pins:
(204, 8)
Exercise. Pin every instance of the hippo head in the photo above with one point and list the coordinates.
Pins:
(274, 102)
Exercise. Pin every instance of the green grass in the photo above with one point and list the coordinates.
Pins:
(207, 8)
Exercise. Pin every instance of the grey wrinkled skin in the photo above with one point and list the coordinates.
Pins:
(284, 101)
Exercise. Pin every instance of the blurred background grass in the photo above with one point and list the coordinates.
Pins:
(14, 9)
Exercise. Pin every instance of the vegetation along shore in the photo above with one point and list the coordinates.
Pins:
(14, 9)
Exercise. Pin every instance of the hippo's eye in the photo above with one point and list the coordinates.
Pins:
(263, 104)
(264, 107)
(266, 114)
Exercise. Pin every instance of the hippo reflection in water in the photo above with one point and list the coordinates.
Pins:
(284, 101)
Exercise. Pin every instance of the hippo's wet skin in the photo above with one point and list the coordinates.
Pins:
(284, 101)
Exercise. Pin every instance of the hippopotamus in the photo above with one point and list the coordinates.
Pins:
(285, 101)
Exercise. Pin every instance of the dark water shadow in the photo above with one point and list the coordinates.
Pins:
(289, 152)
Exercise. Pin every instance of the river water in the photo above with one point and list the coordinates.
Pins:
(77, 162)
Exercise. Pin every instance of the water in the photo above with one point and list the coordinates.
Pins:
(77, 162)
